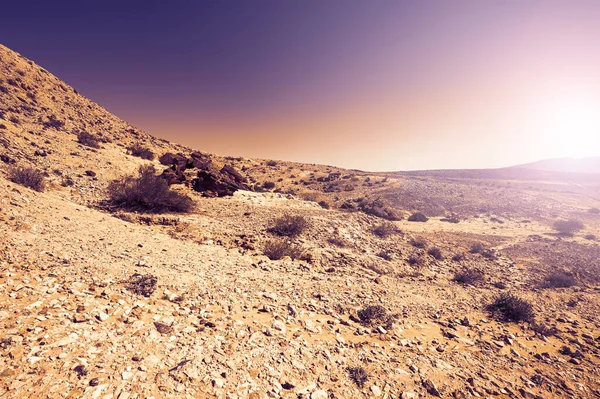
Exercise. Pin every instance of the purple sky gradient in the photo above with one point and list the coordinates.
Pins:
(379, 85)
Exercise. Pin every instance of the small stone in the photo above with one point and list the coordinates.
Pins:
(163, 328)
(80, 318)
(318, 394)
(102, 316)
(279, 326)
(94, 382)
(218, 383)
(376, 390)
(431, 388)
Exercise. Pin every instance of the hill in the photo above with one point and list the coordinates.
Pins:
(567, 165)
(285, 279)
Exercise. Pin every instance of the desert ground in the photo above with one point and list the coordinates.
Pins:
(284, 280)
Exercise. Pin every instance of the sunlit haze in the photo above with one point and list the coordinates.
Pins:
(375, 85)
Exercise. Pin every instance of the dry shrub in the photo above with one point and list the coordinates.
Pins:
(358, 375)
(324, 204)
(138, 150)
(289, 226)
(87, 139)
(385, 230)
(142, 284)
(278, 248)
(53, 122)
(477, 248)
(376, 315)
(28, 177)
(559, 279)
(436, 253)
(418, 242)
(568, 227)
(379, 208)
(416, 260)
(544, 329)
(509, 307)
(148, 193)
(459, 257)
(468, 276)
(450, 219)
(338, 242)
(385, 255)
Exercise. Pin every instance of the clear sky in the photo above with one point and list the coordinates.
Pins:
(370, 84)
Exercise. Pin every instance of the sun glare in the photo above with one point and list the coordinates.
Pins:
(570, 127)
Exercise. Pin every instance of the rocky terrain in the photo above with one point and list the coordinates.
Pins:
(105, 301)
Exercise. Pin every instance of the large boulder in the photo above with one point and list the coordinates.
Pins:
(201, 161)
(234, 174)
(179, 161)
(174, 175)
(219, 183)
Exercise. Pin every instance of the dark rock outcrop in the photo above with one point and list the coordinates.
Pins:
(174, 175)
(179, 161)
(210, 181)
(219, 183)
(201, 161)
(7, 159)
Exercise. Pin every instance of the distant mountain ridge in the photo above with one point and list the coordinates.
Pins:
(569, 165)
(585, 170)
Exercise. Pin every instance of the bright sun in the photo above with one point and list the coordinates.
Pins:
(570, 127)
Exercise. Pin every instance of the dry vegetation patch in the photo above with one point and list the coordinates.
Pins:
(289, 226)
(28, 177)
(138, 150)
(88, 140)
(509, 307)
(147, 192)
(276, 249)
(376, 315)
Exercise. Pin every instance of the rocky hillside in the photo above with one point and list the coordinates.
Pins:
(305, 281)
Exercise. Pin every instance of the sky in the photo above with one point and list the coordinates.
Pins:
(372, 84)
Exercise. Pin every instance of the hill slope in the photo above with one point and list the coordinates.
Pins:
(569, 165)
